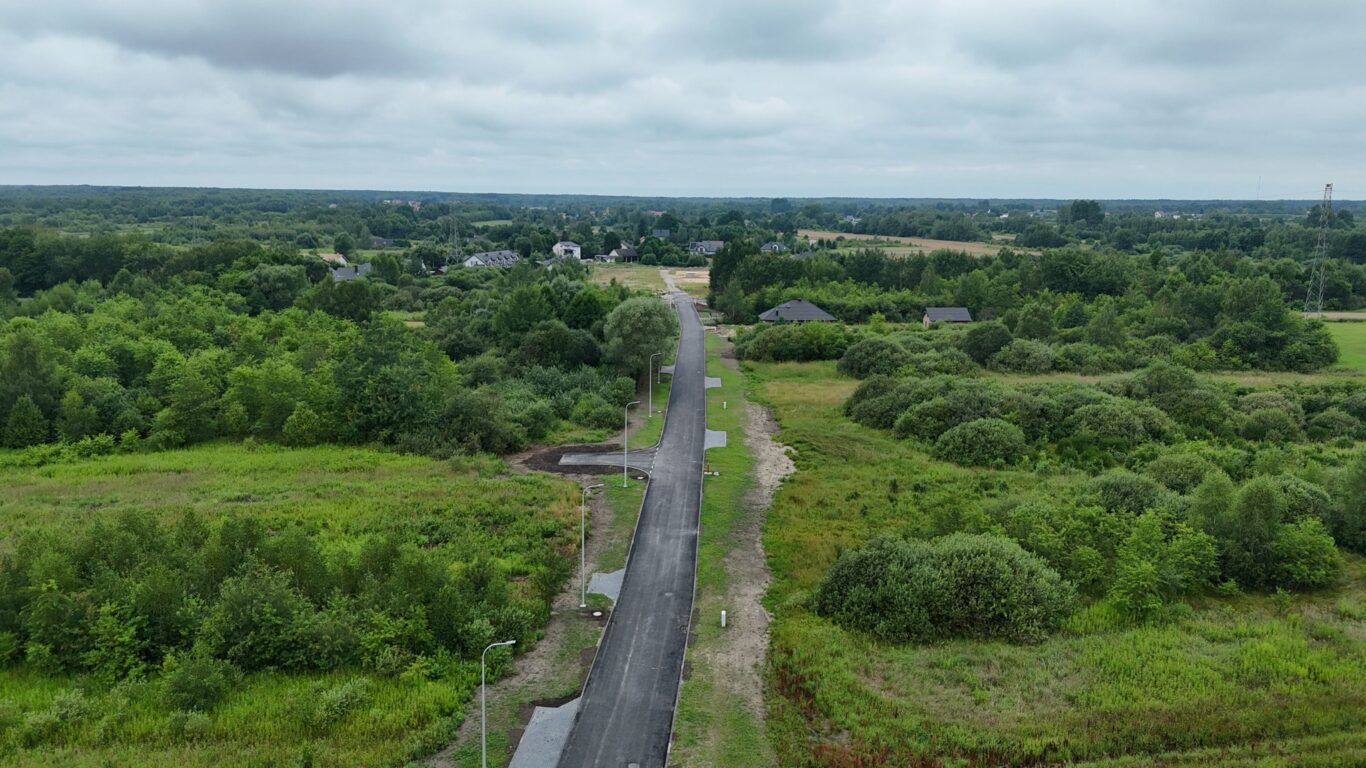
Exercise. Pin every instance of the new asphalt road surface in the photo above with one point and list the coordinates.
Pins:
(627, 708)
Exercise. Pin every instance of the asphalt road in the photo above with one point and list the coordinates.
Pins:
(627, 708)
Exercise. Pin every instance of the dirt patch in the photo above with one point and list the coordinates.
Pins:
(547, 459)
(924, 243)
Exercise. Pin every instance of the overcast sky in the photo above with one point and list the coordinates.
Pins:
(970, 98)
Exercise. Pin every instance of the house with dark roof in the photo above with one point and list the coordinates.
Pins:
(624, 253)
(502, 259)
(797, 311)
(706, 247)
(662, 234)
(945, 315)
(343, 274)
(772, 246)
(333, 259)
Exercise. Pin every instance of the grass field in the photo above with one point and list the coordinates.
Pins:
(1351, 340)
(633, 276)
(467, 508)
(1224, 681)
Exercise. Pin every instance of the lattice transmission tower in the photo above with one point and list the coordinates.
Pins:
(1313, 295)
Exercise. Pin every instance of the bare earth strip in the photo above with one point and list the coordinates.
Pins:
(923, 243)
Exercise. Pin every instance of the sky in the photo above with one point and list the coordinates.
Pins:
(873, 98)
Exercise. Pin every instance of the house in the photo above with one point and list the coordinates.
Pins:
(335, 259)
(344, 274)
(662, 234)
(945, 315)
(772, 246)
(624, 253)
(381, 242)
(797, 311)
(501, 259)
(706, 247)
(567, 248)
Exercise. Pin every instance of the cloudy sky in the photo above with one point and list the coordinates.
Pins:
(971, 98)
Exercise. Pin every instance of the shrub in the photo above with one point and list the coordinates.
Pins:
(1305, 555)
(196, 682)
(984, 340)
(981, 443)
(968, 586)
(873, 355)
(794, 342)
(1180, 472)
(1272, 425)
(1334, 423)
(1024, 356)
(1125, 492)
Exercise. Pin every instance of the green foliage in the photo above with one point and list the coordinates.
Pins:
(981, 443)
(984, 340)
(636, 329)
(956, 586)
(26, 425)
(872, 355)
(196, 682)
(783, 342)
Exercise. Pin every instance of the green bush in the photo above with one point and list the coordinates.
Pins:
(958, 586)
(874, 355)
(1180, 472)
(981, 443)
(1305, 555)
(196, 682)
(1334, 423)
(1125, 492)
(1024, 356)
(984, 340)
(1272, 425)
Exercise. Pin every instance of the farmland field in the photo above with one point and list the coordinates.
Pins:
(916, 244)
(348, 500)
(1221, 679)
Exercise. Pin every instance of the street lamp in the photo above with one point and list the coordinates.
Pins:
(625, 424)
(583, 557)
(483, 709)
(650, 380)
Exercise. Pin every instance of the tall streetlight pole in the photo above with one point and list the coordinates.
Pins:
(483, 708)
(650, 380)
(625, 424)
(583, 557)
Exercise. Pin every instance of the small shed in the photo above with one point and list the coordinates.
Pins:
(797, 311)
(945, 315)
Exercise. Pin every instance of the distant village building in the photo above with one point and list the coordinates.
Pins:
(772, 246)
(335, 259)
(797, 311)
(662, 234)
(344, 274)
(945, 315)
(624, 253)
(500, 259)
(381, 242)
(706, 247)
(567, 248)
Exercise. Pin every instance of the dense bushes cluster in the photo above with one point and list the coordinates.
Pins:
(204, 603)
(958, 586)
(1093, 426)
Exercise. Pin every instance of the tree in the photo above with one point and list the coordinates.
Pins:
(986, 339)
(1034, 322)
(344, 244)
(636, 329)
(26, 425)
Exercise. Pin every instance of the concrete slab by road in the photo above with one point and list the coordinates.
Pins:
(713, 383)
(608, 584)
(716, 438)
(642, 460)
(545, 736)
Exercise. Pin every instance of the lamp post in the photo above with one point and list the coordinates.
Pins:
(583, 548)
(625, 424)
(650, 381)
(483, 709)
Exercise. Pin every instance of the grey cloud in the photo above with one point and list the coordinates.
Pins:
(940, 97)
